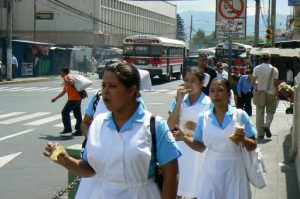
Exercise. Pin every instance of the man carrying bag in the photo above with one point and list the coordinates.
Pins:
(265, 77)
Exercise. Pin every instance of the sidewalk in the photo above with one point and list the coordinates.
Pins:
(27, 80)
(281, 173)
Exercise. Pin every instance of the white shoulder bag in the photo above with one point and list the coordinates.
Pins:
(254, 163)
(81, 82)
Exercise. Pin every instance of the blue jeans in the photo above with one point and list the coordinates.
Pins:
(74, 106)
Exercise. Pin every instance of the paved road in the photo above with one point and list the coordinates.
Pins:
(28, 120)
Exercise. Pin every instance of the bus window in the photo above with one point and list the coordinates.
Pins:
(128, 50)
(219, 53)
(155, 50)
(141, 50)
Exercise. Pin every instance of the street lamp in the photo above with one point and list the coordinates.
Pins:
(191, 28)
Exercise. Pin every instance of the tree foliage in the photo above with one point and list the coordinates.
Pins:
(180, 32)
(200, 40)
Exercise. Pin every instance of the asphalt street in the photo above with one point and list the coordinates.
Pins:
(28, 120)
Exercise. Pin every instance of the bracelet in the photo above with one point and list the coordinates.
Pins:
(58, 150)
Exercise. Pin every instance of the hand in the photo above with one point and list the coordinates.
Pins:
(190, 125)
(178, 134)
(51, 147)
(53, 99)
(180, 93)
(240, 133)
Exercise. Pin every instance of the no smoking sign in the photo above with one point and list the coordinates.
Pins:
(230, 9)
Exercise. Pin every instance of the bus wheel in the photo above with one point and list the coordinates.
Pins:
(178, 76)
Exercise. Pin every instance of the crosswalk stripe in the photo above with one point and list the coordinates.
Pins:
(22, 118)
(44, 120)
(16, 134)
(55, 89)
(11, 114)
(10, 88)
(23, 89)
(73, 122)
(37, 89)
(3, 88)
(174, 92)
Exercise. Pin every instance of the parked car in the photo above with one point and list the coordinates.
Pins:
(101, 66)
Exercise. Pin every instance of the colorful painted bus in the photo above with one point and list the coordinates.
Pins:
(160, 56)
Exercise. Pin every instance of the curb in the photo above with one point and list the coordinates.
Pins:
(20, 81)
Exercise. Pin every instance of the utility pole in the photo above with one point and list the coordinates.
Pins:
(257, 11)
(9, 6)
(34, 21)
(273, 21)
(269, 13)
(191, 29)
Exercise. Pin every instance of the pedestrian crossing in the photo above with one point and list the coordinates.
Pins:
(33, 119)
(89, 90)
(54, 120)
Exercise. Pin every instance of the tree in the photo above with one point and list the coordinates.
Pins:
(180, 32)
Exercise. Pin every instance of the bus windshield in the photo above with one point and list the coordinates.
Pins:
(155, 50)
(128, 50)
(141, 50)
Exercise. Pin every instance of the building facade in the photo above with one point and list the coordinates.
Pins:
(89, 22)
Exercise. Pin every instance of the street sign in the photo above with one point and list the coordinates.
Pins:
(231, 19)
(294, 2)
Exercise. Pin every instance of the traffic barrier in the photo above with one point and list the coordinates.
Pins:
(74, 151)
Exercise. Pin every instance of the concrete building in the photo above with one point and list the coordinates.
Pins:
(89, 22)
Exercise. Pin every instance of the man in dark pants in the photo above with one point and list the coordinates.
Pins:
(244, 90)
(202, 62)
(73, 104)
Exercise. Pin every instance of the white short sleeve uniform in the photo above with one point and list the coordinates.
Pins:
(122, 159)
(190, 161)
(223, 173)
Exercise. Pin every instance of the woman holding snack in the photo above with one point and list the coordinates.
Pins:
(185, 108)
(223, 173)
(119, 145)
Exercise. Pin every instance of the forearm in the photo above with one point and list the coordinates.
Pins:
(86, 122)
(174, 116)
(79, 168)
(60, 95)
(249, 143)
(193, 144)
(170, 183)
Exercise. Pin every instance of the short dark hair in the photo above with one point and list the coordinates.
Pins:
(65, 70)
(197, 72)
(201, 55)
(224, 81)
(127, 73)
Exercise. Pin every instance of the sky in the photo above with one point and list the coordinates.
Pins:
(210, 5)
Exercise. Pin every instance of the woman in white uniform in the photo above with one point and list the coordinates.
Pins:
(223, 173)
(185, 109)
(119, 145)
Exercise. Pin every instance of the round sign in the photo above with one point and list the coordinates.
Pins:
(231, 9)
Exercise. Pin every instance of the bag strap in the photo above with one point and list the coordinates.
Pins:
(97, 99)
(270, 78)
(153, 135)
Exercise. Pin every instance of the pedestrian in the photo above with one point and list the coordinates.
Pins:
(244, 90)
(184, 111)
(289, 75)
(119, 145)
(234, 81)
(202, 61)
(93, 65)
(73, 104)
(15, 66)
(265, 78)
(84, 64)
(220, 71)
(223, 174)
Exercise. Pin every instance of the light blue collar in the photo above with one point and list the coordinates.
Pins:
(201, 99)
(138, 116)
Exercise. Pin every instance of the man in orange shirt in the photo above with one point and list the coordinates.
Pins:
(73, 104)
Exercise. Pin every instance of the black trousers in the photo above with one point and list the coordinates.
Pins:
(74, 106)
(244, 102)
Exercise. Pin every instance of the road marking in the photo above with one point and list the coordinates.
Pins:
(11, 114)
(44, 121)
(23, 89)
(52, 89)
(155, 103)
(22, 118)
(3, 88)
(94, 90)
(5, 159)
(37, 89)
(174, 92)
(73, 122)
(11, 88)
(16, 134)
